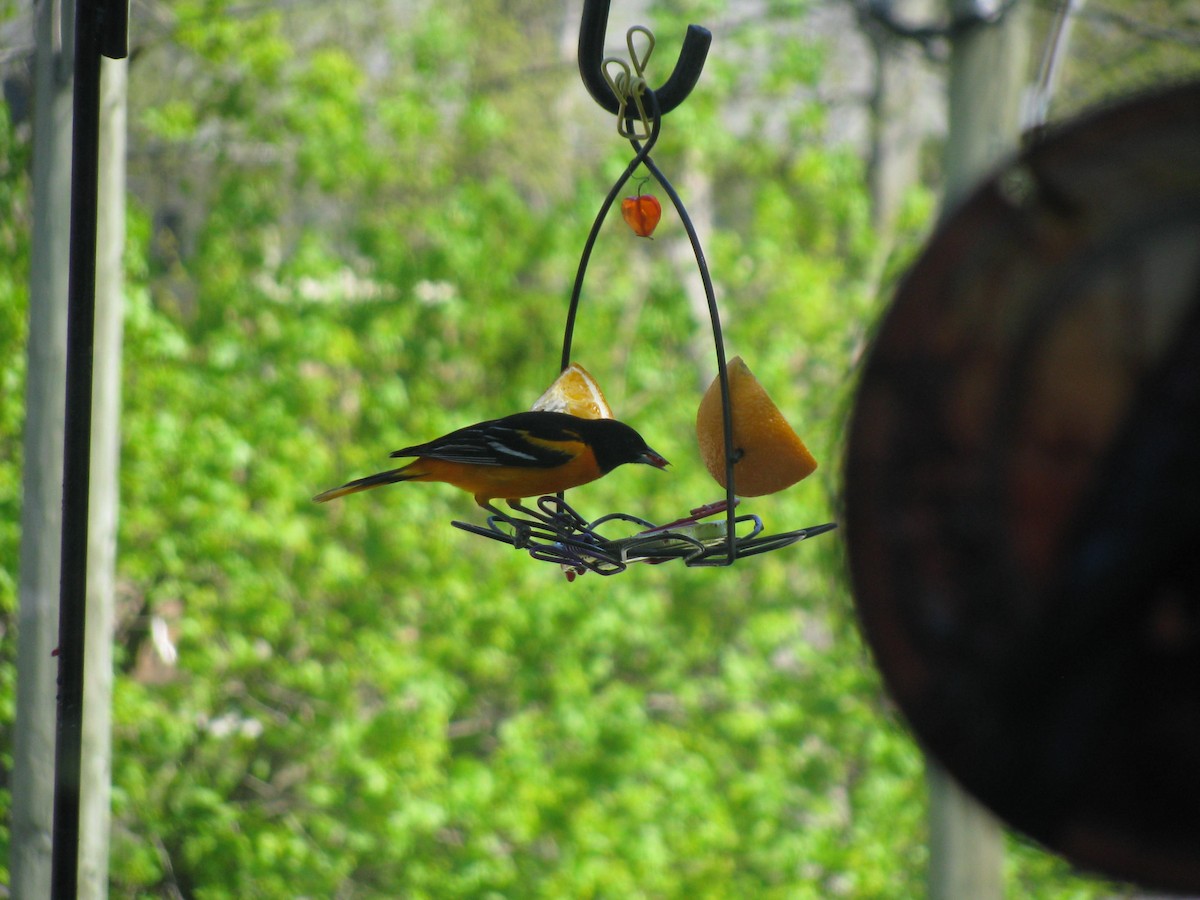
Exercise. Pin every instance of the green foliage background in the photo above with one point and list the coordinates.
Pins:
(376, 248)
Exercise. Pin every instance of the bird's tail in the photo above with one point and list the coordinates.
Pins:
(364, 484)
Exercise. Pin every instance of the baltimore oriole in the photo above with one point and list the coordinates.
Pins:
(523, 455)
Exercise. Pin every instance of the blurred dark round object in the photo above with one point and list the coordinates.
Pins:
(1022, 492)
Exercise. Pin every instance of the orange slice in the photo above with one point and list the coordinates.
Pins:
(769, 455)
(575, 391)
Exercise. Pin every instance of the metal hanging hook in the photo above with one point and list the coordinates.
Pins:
(592, 27)
(630, 86)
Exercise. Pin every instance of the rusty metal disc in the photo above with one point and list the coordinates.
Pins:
(1022, 492)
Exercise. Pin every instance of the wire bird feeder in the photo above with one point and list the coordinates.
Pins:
(555, 531)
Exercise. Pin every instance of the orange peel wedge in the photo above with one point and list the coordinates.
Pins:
(576, 392)
(769, 455)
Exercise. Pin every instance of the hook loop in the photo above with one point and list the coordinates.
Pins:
(592, 27)
(639, 61)
(629, 86)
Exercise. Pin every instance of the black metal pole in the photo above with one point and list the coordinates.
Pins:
(100, 27)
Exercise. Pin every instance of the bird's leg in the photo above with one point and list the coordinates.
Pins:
(495, 512)
(555, 514)
(521, 530)
(548, 520)
(565, 516)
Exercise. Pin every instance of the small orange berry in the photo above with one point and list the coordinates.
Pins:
(642, 213)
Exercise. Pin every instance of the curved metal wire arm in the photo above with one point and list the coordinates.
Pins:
(555, 532)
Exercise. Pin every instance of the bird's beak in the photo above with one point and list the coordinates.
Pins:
(651, 458)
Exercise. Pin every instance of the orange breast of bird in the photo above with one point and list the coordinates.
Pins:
(511, 482)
